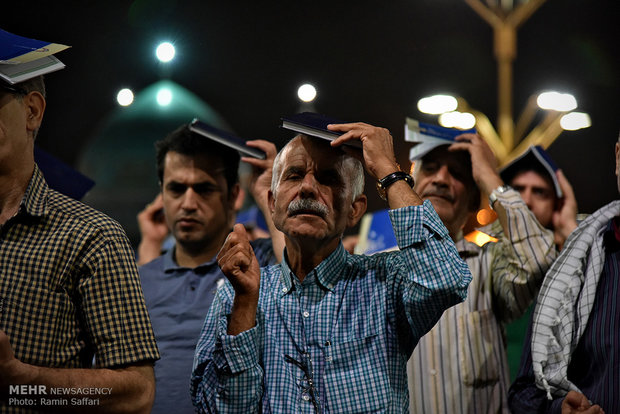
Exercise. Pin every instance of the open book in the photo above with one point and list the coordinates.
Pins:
(22, 58)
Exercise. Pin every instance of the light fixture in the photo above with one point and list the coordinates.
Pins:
(124, 97)
(437, 104)
(306, 92)
(165, 52)
(164, 97)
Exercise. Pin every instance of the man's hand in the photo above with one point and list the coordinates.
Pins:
(575, 402)
(377, 144)
(483, 161)
(153, 230)
(564, 218)
(239, 265)
(260, 182)
(9, 365)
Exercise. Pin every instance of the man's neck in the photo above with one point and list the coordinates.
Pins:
(13, 186)
(303, 256)
(191, 256)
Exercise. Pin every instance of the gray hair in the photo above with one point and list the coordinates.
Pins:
(347, 166)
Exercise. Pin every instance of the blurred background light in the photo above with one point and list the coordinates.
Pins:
(165, 52)
(575, 120)
(455, 119)
(306, 92)
(437, 104)
(164, 97)
(124, 97)
(556, 101)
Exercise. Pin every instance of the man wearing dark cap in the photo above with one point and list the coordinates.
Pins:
(199, 190)
(72, 314)
(326, 331)
(460, 366)
(545, 190)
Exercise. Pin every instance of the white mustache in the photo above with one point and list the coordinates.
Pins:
(308, 206)
(439, 193)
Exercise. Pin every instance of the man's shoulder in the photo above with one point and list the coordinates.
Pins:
(155, 266)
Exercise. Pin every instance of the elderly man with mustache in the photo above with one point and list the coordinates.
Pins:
(460, 366)
(326, 331)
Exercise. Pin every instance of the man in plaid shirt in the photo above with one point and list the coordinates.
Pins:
(69, 287)
(326, 331)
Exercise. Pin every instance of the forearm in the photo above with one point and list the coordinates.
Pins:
(430, 274)
(243, 314)
(122, 390)
(401, 195)
(227, 376)
(521, 259)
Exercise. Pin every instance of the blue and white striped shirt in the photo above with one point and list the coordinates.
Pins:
(349, 327)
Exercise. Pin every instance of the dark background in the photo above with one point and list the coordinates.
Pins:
(370, 61)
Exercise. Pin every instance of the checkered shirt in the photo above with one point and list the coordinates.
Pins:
(349, 326)
(69, 287)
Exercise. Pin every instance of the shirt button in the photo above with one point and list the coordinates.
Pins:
(284, 290)
(433, 372)
(306, 398)
(306, 314)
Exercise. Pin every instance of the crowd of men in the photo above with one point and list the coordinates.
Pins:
(223, 322)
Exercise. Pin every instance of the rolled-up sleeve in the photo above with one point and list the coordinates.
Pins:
(429, 274)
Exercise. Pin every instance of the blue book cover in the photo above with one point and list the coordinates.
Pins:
(315, 125)
(428, 136)
(376, 234)
(62, 177)
(22, 58)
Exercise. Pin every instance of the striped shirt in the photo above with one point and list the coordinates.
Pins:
(69, 287)
(460, 366)
(338, 342)
(595, 362)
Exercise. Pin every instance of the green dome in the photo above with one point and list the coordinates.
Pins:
(120, 157)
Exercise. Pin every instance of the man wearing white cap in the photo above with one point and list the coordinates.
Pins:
(460, 366)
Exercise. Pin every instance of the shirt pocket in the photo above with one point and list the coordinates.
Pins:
(478, 337)
(356, 376)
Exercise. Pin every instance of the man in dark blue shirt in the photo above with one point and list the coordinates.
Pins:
(199, 190)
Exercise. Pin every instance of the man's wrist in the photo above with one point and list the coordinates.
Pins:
(497, 191)
(384, 183)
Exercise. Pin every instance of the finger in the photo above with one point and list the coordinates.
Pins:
(469, 137)
(346, 137)
(267, 147)
(237, 236)
(565, 185)
(258, 163)
(346, 127)
(460, 146)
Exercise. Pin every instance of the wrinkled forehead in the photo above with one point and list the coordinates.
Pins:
(312, 152)
(457, 161)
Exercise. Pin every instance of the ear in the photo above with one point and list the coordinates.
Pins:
(358, 208)
(234, 196)
(271, 201)
(239, 199)
(34, 104)
(617, 159)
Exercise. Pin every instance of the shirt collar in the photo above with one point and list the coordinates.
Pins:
(327, 273)
(34, 202)
(170, 265)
